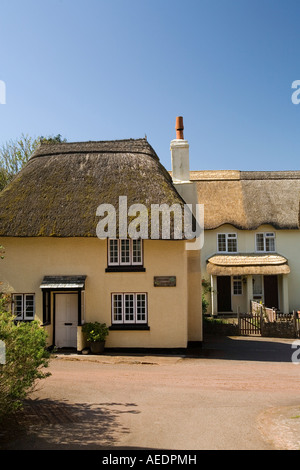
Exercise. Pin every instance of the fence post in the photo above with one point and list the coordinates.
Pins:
(295, 323)
(261, 320)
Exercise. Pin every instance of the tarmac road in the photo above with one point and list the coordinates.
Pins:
(239, 393)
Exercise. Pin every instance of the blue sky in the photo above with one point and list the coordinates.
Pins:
(117, 69)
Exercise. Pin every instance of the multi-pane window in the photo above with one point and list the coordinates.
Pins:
(227, 242)
(136, 251)
(237, 285)
(129, 316)
(23, 306)
(117, 308)
(125, 252)
(265, 241)
(129, 308)
(141, 308)
(113, 254)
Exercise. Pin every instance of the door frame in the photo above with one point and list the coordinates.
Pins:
(66, 291)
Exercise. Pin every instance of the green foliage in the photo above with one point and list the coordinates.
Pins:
(95, 331)
(14, 154)
(206, 289)
(25, 359)
(57, 139)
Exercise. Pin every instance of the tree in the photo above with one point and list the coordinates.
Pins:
(57, 139)
(206, 289)
(14, 154)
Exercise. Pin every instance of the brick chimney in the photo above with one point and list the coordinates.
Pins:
(180, 154)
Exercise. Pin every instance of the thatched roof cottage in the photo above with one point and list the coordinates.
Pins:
(58, 270)
(251, 238)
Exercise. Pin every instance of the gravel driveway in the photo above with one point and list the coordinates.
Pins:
(238, 393)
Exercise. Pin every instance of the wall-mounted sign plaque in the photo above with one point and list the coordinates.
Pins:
(164, 281)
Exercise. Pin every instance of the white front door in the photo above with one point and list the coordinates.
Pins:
(66, 320)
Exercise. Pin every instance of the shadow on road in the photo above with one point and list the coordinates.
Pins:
(248, 348)
(50, 425)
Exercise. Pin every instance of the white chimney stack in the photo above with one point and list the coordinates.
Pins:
(181, 166)
(180, 154)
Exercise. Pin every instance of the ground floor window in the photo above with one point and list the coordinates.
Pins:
(129, 308)
(237, 285)
(23, 306)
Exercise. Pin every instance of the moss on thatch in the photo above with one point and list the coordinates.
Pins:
(58, 191)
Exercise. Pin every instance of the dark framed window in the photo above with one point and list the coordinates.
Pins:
(23, 306)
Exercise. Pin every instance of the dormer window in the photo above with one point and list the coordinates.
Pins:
(227, 242)
(125, 254)
(265, 242)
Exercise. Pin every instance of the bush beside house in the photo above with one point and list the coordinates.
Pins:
(23, 362)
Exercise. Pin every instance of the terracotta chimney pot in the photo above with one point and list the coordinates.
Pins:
(179, 127)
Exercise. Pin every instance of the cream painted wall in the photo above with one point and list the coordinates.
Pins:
(287, 244)
(28, 260)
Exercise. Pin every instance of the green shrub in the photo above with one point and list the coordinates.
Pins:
(95, 331)
(25, 358)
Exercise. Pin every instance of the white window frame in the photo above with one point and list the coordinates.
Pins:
(133, 321)
(129, 294)
(146, 308)
(28, 317)
(266, 236)
(116, 322)
(23, 298)
(127, 242)
(130, 261)
(229, 235)
(113, 263)
(237, 279)
(137, 263)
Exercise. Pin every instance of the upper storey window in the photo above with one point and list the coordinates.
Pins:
(265, 241)
(125, 253)
(227, 242)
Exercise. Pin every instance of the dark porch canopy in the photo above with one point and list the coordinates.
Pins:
(63, 282)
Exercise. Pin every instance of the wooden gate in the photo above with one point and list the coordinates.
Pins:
(249, 324)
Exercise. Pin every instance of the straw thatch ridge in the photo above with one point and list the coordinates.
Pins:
(247, 263)
(138, 146)
(249, 199)
(58, 191)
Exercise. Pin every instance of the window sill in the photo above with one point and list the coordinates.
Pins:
(129, 327)
(125, 269)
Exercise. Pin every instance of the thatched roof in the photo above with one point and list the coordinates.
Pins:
(58, 191)
(248, 199)
(250, 263)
